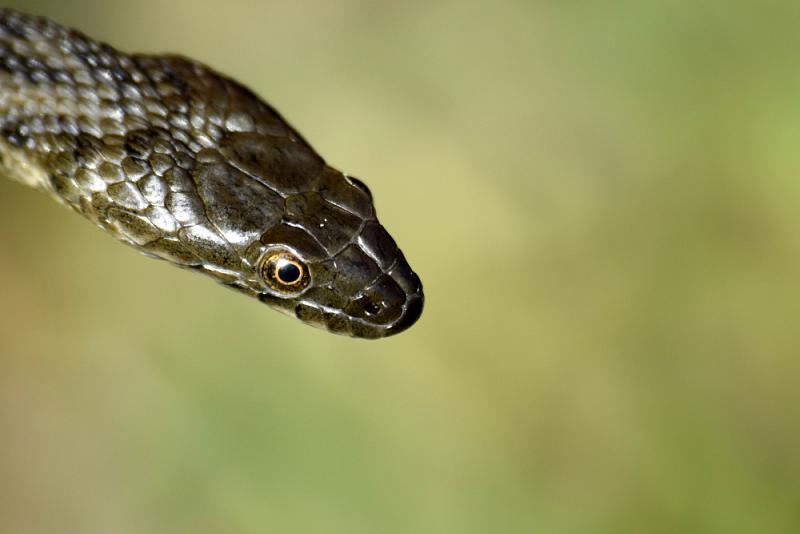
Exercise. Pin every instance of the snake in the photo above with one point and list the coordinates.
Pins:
(188, 166)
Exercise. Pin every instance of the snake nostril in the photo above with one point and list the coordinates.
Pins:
(372, 307)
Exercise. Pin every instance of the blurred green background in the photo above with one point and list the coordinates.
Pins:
(602, 200)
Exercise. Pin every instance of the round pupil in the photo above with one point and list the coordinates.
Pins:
(288, 273)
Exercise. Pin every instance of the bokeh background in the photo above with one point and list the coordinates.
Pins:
(603, 202)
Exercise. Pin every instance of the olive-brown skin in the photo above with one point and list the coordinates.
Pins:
(188, 166)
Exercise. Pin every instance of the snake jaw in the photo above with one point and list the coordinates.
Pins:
(388, 304)
(386, 307)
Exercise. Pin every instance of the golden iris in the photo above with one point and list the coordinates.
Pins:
(284, 272)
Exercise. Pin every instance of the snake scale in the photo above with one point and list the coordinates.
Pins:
(188, 166)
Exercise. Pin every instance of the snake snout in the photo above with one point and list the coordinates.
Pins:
(411, 285)
(388, 306)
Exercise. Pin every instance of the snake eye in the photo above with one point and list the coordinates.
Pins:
(288, 272)
(283, 272)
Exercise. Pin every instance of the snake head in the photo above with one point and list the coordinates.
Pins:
(330, 263)
(303, 237)
(187, 165)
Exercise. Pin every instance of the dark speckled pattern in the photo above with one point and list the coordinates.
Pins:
(191, 167)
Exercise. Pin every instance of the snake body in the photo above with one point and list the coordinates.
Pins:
(186, 165)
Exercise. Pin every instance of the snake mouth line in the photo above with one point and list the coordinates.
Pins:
(339, 322)
(412, 311)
